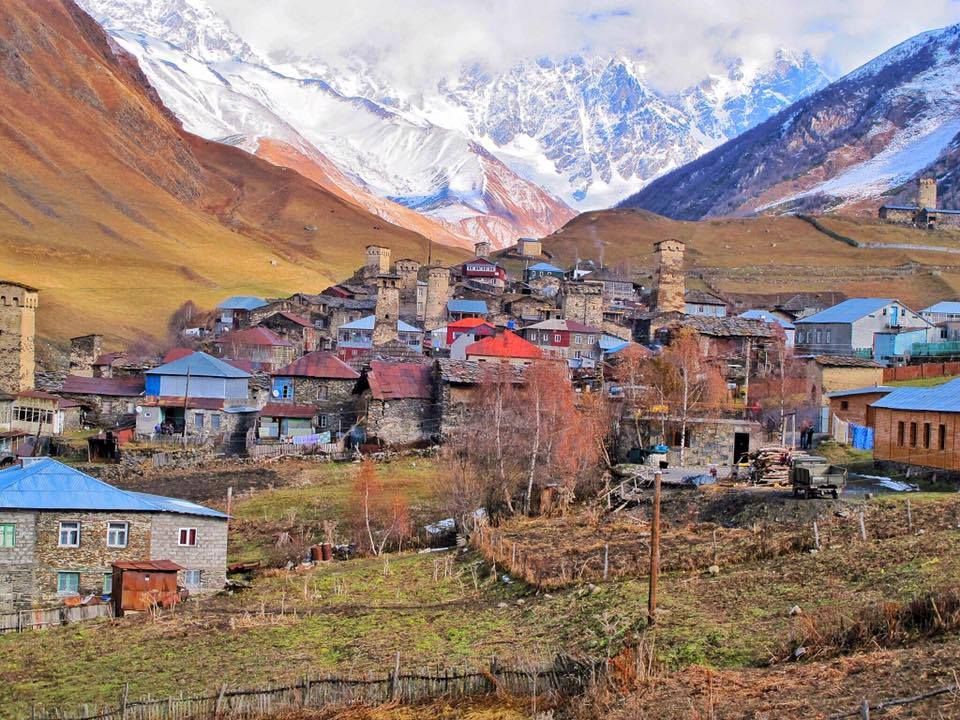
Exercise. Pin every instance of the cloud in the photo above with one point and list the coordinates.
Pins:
(419, 41)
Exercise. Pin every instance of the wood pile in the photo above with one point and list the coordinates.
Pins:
(771, 465)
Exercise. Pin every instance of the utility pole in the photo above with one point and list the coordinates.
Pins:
(654, 551)
(186, 397)
(746, 383)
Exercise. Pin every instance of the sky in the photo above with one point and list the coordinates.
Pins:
(680, 41)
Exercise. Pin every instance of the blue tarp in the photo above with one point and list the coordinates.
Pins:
(862, 437)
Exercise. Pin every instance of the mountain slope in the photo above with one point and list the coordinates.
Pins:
(118, 216)
(861, 137)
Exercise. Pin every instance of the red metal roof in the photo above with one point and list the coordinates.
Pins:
(149, 566)
(292, 317)
(467, 323)
(397, 381)
(508, 345)
(288, 410)
(175, 354)
(319, 365)
(115, 387)
(254, 336)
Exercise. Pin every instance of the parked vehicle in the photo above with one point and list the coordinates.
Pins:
(813, 476)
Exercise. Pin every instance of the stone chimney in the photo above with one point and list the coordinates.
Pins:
(84, 352)
(387, 311)
(927, 193)
(670, 279)
(482, 249)
(438, 289)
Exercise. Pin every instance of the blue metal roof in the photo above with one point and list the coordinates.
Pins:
(545, 267)
(46, 484)
(949, 307)
(367, 323)
(242, 302)
(467, 306)
(942, 398)
(199, 364)
(848, 311)
(767, 317)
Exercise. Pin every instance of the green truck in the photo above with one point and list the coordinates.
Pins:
(813, 476)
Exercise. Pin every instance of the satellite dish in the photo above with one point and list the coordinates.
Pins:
(139, 409)
(276, 393)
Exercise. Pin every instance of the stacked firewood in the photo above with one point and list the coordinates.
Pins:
(771, 465)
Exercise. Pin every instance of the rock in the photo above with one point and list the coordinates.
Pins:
(842, 513)
(799, 652)
(594, 589)
(795, 610)
(521, 601)
(921, 531)
(813, 551)
(501, 605)
(714, 569)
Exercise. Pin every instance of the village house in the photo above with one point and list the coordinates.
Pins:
(259, 346)
(355, 339)
(457, 383)
(543, 270)
(43, 414)
(311, 396)
(106, 401)
(941, 312)
(737, 347)
(616, 286)
(529, 247)
(530, 309)
(566, 339)
(460, 309)
(853, 405)
(704, 304)
(507, 347)
(396, 401)
(788, 328)
(296, 329)
(197, 396)
(61, 531)
(707, 440)
(926, 213)
(919, 426)
(849, 327)
(832, 373)
(234, 312)
(484, 272)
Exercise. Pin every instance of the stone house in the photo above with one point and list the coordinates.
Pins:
(295, 329)
(719, 441)
(529, 247)
(396, 403)
(456, 384)
(919, 426)
(460, 309)
(311, 395)
(566, 339)
(260, 346)
(849, 327)
(106, 401)
(702, 303)
(530, 309)
(60, 531)
(355, 339)
(616, 286)
(234, 312)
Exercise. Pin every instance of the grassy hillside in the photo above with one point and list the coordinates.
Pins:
(118, 216)
(776, 254)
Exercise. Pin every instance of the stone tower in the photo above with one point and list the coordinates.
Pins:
(84, 352)
(387, 311)
(482, 249)
(670, 280)
(18, 311)
(438, 288)
(408, 269)
(378, 261)
(583, 302)
(927, 193)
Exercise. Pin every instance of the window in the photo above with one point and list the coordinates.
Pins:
(819, 336)
(8, 535)
(193, 579)
(926, 435)
(941, 438)
(188, 537)
(215, 421)
(68, 583)
(844, 405)
(557, 338)
(826, 336)
(323, 391)
(117, 534)
(900, 434)
(913, 434)
(198, 420)
(69, 534)
(678, 436)
(107, 583)
(324, 421)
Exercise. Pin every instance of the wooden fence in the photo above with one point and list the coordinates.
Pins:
(260, 452)
(38, 619)
(564, 677)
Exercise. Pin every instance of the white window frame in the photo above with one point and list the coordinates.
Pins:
(60, 542)
(194, 584)
(120, 527)
(63, 573)
(187, 530)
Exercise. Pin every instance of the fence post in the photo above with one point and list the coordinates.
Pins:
(816, 535)
(865, 710)
(654, 550)
(123, 701)
(606, 561)
(909, 517)
(863, 528)
(395, 679)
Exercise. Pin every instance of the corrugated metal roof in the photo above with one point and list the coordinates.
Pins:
(199, 364)
(467, 306)
(319, 364)
(507, 345)
(288, 410)
(47, 484)
(944, 306)
(568, 325)
(767, 317)
(256, 336)
(845, 361)
(398, 381)
(242, 302)
(111, 387)
(149, 566)
(849, 310)
(913, 208)
(545, 267)
(869, 389)
(367, 323)
(942, 398)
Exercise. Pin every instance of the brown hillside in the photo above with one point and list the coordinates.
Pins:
(118, 216)
(776, 254)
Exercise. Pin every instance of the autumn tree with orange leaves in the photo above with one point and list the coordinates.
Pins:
(378, 517)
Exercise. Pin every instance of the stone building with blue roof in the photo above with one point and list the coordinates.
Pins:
(61, 530)
(849, 327)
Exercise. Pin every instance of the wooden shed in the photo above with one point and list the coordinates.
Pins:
(142, 585)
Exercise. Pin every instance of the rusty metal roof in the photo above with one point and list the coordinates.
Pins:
(148, 566)
(398, 381)
(288, 410)
(113, 387)
(319, 365)
(254, 336)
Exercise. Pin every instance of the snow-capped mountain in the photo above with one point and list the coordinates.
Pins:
(484, 156)
(864, 136)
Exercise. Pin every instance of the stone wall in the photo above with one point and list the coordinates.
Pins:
(400, 422)
(17, 563)
(92, 559)
(18, 307)
(438, 290)
(583, 302)
(670, 279)
(84, 352)
(209, 555)
(387, 311)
